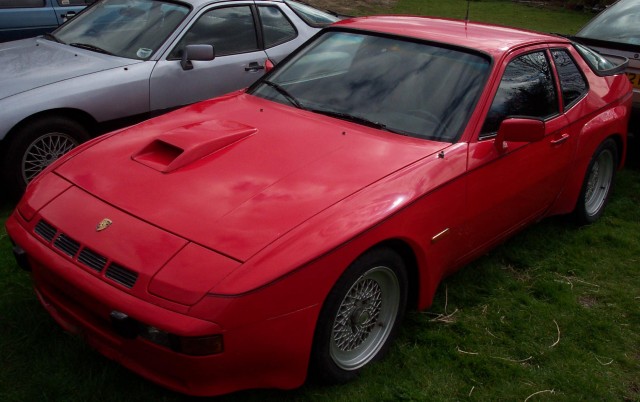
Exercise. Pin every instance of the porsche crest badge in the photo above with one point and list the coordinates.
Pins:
(105, 223)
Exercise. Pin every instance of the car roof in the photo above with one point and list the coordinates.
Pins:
(198, 3)
(494, 40)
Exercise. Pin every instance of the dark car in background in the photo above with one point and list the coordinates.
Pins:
(26, 18)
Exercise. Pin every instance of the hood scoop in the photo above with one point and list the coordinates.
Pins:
(184, 145)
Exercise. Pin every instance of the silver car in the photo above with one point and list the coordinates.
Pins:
(616, 32)
(120, 61)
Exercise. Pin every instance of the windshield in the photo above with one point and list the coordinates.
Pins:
(618, 23)
(411, 88)
(127, 28)
(312, 16)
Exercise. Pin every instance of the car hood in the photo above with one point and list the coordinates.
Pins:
(235, 173)
(31, 63)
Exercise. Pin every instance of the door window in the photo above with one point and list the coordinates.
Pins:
(572, 82)
(276, 27)
(231, 30)
(526, 90)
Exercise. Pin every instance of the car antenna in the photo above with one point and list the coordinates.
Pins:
(466, 17)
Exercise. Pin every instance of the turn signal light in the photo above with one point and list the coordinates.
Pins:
(129, 328)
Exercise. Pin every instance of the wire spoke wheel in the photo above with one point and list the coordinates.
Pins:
(43, 151)
(365, 318)
(599, 182)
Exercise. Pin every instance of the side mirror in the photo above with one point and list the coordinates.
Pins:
(519, 130)
(196, 52)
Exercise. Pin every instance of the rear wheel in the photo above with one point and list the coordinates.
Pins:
(360, 317)
(598, 183)
(36, 145)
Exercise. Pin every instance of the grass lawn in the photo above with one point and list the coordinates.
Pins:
(553, 314)
(502, 12)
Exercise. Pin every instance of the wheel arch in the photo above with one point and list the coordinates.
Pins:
(568, 199)
(408, 256)
(80, 116)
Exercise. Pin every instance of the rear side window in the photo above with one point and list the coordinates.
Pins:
(276, 27)
(526, 90)
(21, 3)
(312, 16)
(572, 82)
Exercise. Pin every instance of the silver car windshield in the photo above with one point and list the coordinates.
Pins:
(133, 29)
(618, 23)
(407, 87)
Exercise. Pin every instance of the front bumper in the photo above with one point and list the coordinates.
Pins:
(271, 353)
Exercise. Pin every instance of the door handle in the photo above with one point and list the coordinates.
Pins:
(254, 66)
(560, 140)
(68, 16)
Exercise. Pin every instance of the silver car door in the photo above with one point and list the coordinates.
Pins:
(238, 62)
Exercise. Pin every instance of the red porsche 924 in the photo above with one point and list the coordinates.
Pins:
(281, 232)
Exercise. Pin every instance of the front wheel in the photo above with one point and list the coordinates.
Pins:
(360, 316)
(598, 183)
(36, 145)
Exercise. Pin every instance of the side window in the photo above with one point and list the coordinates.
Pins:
(230, 30)
(21, 3)
(69, 3)
(276, 27)
(572, 82)
(526, 89)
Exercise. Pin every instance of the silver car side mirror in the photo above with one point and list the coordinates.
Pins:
(196, 52)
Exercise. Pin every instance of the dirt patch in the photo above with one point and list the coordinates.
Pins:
(587, 301)
(354, 7)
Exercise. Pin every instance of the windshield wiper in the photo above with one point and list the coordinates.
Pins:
(284, 93)
(91, 47)
(51, 37)
(350, 117)
(360, 120)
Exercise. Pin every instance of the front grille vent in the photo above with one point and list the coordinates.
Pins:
(68, 246)
(122, 275)
(86, 257)
(46, 231)
(92, 259)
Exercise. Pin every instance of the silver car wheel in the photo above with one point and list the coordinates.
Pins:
(43, 151)
(599, 182)
(365, 318)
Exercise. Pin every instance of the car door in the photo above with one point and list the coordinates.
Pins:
(511, 183)
(239, 58)
(67, 9)
(25, 18)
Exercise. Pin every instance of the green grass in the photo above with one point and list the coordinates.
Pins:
(555, 310)
(499, 12)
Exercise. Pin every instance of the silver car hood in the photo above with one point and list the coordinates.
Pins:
(31, 63)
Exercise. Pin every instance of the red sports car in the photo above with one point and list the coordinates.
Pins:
(255, 239)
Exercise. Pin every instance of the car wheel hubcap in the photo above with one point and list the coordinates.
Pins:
(43, 151)
(365, 318)
(599, 182)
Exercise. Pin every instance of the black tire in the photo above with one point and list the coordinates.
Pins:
(360, 317)
(598, 183)
(35, 145)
